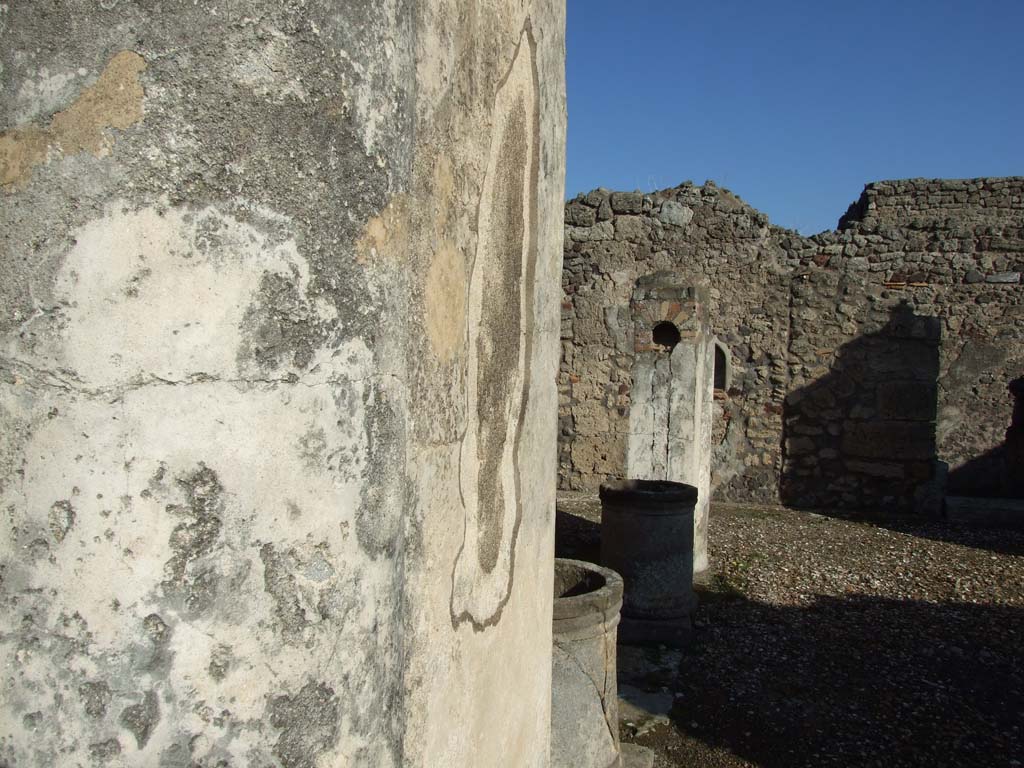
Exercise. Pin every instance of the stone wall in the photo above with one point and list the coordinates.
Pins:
(702, 236)
(279, 289)
(902, 324)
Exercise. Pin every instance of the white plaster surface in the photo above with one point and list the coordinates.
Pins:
(264, 549)
(670, 425)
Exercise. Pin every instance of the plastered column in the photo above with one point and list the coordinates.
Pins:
(277, 355)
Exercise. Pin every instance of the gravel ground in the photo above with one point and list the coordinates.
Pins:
(829, 641)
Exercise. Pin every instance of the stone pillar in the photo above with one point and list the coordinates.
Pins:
(279, 295)
(673, 393)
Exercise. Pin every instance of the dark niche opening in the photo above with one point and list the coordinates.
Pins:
(665, 335)
(721, 368)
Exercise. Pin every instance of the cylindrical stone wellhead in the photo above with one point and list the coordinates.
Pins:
(647, 536)
(584, 695)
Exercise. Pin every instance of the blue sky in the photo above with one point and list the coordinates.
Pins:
(793, 105)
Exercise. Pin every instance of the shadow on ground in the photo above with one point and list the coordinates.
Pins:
(576, 536)
(852, 681)
(840, 679)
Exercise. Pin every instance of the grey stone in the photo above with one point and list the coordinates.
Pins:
(636, 756)
(675, 214)
(603, 230)
(1003, 277)
(596, 198)
(579, 215)
(973, 276)
(627, 202)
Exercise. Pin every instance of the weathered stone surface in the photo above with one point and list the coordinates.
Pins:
(675, 214)
(880, 439)
(579, 215)
(911, 400)
(627, 202)
(973, 276)
(816, 335)
(603, 230)
(277, 304)
(1003, 277)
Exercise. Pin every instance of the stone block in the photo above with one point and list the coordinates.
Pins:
(884, 469)
(675, 214)
(635, 228)
(907, 400)
(973, 276)
(597, 197)
(591, 418)
(796, 446)
(888, 440)
(601, 231)
(580, 215)
(627, 202)
(1003, 277)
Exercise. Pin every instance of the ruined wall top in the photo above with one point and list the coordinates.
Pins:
(923, 203)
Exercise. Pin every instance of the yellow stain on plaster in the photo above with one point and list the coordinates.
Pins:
(445, 301)
(113, 101)
(385, 234)
(385, 237)
(445, 296)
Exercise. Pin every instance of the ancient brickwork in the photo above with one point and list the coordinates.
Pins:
(953, 250)
(858, 356)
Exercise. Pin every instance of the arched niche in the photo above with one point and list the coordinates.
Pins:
(723, 367)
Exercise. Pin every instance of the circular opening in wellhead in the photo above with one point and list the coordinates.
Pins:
(647, 492)
(572, 580)
(583, 588)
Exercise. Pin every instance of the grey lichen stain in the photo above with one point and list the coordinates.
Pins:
(17, 432)
(141, 718)
(345, 460)
(179, 756)
(191, 540)
(156, 484)
(280, 583)
(105, 751)
(156, 629)
(95, 698)
(208, 239)
(62, 517)
(382, 499)
(156, 658)
(498, 343)
(308, 722)
(313, 449)
(221, 659)
(281, 327)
